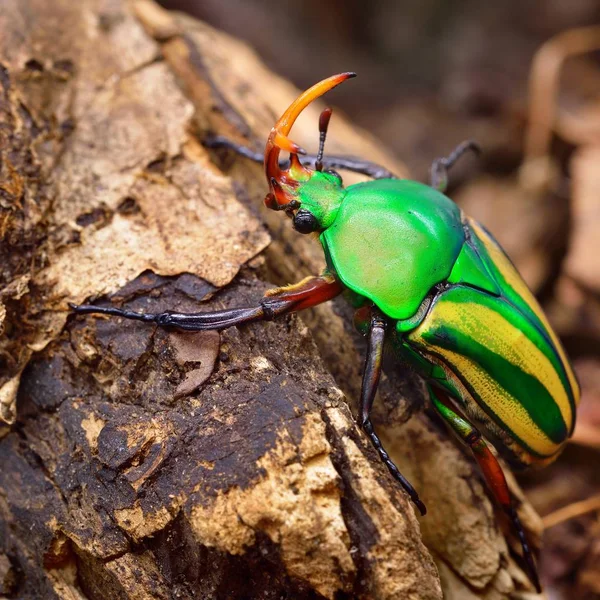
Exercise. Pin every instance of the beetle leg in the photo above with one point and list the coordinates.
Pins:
(304, 294)
(356, 165)
(441, 166)
(492, 471)
(371, 375)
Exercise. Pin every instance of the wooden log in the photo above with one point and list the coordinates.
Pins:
(143, 463)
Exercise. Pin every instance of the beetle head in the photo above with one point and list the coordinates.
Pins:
(310, 197)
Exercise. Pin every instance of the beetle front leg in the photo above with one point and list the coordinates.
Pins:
(348, 163)
(441, 166)
(371, 375)
(279, 301)
(492, 471)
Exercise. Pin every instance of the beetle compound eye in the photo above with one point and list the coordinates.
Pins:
(305, 222)
(335, 174)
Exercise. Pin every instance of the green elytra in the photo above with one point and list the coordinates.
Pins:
(436, 285)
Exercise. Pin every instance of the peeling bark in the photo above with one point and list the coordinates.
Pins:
(143, 463)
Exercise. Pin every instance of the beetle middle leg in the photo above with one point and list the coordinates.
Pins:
(371, 375)
(441, 166)
(304, 294)
(492, 471)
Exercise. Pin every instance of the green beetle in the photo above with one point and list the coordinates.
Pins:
(437, 285)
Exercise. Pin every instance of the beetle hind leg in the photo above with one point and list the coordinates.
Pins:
(371, 375)
(492, 472)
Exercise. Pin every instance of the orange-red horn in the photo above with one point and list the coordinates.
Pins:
(280, 181)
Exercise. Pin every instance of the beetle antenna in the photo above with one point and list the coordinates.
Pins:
(323, 125)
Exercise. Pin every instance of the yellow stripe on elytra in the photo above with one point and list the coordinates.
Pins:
(492, 330)
(508, 409)
(473, 410)
(513, 279)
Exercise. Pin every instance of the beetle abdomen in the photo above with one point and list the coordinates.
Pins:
(501, 354)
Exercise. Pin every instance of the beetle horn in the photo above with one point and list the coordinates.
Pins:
(282, 182)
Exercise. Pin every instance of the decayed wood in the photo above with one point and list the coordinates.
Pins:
(142, 463)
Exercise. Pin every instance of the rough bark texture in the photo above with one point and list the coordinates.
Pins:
(139, 463)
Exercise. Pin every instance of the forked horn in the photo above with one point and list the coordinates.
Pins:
(281, 182)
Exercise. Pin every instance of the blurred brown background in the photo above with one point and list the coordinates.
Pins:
(434, 72)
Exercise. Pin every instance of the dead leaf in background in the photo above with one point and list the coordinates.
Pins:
(582, 262)
(529, 224)
(587, 428)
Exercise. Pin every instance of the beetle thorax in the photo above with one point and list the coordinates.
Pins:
(392, 240)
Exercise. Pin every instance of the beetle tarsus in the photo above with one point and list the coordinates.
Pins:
(87, 309)
(527, 553)
(441, 166)
(491, 469)
(367, 427)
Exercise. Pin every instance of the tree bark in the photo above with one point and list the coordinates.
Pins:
(143, 463)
